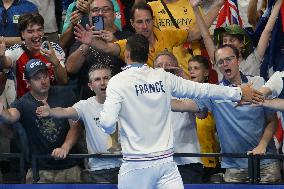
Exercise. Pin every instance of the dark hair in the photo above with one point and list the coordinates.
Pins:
(138, 46)
(30, 18)
(235, 50)
(248, 47)
(140, 6)
(98, 66)
(201, 60)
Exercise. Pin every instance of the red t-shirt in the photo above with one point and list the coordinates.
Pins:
(20, 58)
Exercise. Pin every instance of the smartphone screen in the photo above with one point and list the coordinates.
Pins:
(98, 22)
(44, 45)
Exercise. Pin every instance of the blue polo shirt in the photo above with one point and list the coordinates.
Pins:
(9, 18)
(239, 128)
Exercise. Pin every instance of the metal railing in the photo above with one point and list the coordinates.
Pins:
(253, 161)
(4, 156)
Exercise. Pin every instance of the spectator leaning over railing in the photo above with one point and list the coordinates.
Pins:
(100, 170)
(46, 135)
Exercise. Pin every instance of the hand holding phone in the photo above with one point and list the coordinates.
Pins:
(44, 45)
(98, 22)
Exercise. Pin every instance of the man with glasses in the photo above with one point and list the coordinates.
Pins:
(142, 22)
(241, 129)
(82, 57)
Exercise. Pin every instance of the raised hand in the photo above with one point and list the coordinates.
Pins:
(83, 6)
(43, 111)
(75, 18)
(50, 55)
(2, 46)
(84, 35)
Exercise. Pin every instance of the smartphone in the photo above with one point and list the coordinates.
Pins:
(98, 22)
(44, 45)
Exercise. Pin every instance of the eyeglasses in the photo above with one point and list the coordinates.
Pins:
(105, 9)
(228, 60)
(4, 18)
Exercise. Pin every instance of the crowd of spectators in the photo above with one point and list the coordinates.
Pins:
(55, 67)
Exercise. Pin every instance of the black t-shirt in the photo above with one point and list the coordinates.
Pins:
(97, 56)
(46, 134)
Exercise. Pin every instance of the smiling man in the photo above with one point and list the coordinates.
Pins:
(16, 57)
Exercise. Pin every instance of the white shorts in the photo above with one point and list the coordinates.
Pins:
(154, 174)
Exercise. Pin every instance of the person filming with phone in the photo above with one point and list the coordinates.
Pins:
(82, 57)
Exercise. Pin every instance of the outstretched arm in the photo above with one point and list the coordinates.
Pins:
(208, 41)
(277, 104)
(194, 32)
(58, 112)
(184, 106)
(266, 34)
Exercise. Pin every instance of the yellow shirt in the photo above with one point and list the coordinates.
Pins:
(185, 18)
(206, 134)
(164, 40)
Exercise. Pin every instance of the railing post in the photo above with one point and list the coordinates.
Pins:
(251, 168)
(35, 170)
(22, 169)
(256, 168)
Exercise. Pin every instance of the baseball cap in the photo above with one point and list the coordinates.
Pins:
(33, 66)
(233, 29)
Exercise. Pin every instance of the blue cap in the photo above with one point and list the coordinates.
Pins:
(33, 66)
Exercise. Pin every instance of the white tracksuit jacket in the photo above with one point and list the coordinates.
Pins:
(140, 98)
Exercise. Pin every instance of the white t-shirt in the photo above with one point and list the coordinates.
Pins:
(185, 137)
(97, 141)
